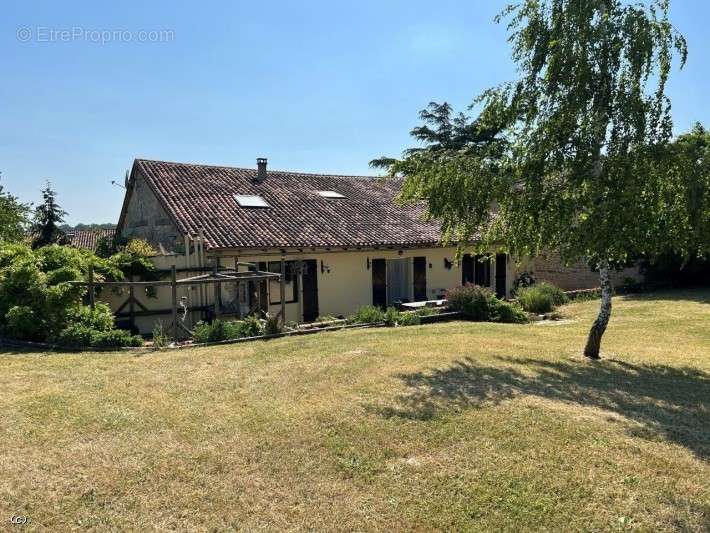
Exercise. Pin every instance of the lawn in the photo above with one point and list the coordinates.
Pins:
(456, 426)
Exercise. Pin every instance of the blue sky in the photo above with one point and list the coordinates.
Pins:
(314, 86)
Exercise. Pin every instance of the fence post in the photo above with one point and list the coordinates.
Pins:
(282, 289)
(173, 286)
(216, 288)
(92, 295)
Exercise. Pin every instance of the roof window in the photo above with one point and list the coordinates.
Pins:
(330, 194)
(250, 200)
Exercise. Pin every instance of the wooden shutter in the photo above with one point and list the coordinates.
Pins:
(379, 282)
(467, 269)
(419, 279)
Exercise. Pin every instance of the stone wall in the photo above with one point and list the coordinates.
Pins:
(549, 267)
(146, 219)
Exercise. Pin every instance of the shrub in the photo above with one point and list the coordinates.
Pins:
(427, 311)
(409, 319)
(37, 302)
(75, 335)
(220, 330)
(140, 248)
(160, 338)
(116, 338)
(480, 304)
(525, 279)
(217, 331)
(472, 301)
(22, 323)
(272, 325)
(509, 312)
(99, 318)
(367, 314)
(541, 297)
(251, 326)
(557, 295)
(81, 335)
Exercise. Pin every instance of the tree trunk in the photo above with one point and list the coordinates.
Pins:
(594, 340)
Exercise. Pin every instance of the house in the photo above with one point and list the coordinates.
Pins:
(344, 239)
(89, 239)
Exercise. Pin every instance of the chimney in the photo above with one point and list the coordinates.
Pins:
(260, 169)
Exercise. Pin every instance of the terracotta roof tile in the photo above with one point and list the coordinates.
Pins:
(89, 238)
(202, 196)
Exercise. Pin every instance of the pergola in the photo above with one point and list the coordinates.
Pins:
(215, 278)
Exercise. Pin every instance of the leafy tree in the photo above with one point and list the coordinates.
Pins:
(574, 155)
(13, 217)
(689, 192)
(38, 302)
(48, 217)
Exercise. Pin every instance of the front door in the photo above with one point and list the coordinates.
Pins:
(310, 290)
(501, 268)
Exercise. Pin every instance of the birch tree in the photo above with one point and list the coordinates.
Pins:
(572, 155)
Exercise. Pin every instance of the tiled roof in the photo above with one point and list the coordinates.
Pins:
(89, 238)
(202, 196)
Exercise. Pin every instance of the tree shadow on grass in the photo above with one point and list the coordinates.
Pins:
(699, 295)
(670, 403)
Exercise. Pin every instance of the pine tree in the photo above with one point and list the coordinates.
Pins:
(47, 219)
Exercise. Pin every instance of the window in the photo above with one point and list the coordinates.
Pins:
(476, 269)
(250, 200)
(291, 293)
(331, 194)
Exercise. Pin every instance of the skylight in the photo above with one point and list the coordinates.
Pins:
(330, 194)
(250, 200)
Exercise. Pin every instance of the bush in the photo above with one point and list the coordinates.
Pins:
(99, 318)
(472, 301)
(272, 325)
(81, 336)
(508, 312)
(409, 319)
(524, 279)
(38, 302)
(367, 314)
(116, 338)
(251, 326)
(220, 330)
(160, 338)
(427, 311)
(140, 248)
(75, 335)
(217, 331)
(541, 297)
(480, 304)
(23, 324)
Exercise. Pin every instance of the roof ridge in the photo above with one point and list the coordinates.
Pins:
(296, 172)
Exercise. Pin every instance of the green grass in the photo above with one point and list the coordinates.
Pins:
(456, 426)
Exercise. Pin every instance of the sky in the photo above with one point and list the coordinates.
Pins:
(314, 86)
